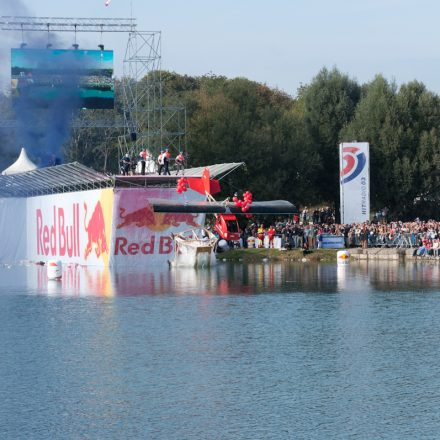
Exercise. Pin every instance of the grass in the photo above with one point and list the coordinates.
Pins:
(257, 255)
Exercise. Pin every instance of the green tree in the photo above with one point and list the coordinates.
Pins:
(329, 101)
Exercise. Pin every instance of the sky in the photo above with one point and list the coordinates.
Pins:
(282, 43)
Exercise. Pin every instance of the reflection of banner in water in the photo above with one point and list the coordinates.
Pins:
(76, 281)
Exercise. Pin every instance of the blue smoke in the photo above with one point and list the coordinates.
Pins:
(41, 130)
(44, 124)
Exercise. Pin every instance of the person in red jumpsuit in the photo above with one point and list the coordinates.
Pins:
(271, 234)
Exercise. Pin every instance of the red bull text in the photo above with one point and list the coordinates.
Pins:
(58, 238)
(163, 245)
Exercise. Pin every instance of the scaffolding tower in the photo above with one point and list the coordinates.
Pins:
(146, 121)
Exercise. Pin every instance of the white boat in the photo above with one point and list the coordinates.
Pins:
(194, 248)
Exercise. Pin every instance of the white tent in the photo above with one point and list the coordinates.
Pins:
(21, 165)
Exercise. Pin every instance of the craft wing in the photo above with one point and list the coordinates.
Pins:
(269, 207)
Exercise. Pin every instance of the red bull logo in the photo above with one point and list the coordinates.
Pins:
(141, 218)
(146, 218)
(95, 230)
(175, 219)
(59, 238)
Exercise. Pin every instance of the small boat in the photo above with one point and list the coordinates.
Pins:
(194, 248)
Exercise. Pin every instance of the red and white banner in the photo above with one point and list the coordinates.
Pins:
(142, 236)
(103, 227)
(72, 227)
(354, 165)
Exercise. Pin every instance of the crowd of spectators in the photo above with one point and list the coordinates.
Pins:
(305, 231)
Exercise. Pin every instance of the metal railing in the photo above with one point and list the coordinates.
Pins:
(399, 240)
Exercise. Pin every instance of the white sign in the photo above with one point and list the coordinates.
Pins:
(354, 166)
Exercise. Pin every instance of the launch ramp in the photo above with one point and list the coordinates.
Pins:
(53, 180)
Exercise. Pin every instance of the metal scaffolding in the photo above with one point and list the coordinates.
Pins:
(142, 87)
(64, 24)
(111, 122)
(53, 180)
(149, 123)
(146, 121)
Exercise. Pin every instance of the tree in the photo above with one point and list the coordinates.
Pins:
(329, 102)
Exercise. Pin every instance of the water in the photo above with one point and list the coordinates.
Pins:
(238, 352)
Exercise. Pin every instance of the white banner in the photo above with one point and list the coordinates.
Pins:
(13, 229)
(354, 166)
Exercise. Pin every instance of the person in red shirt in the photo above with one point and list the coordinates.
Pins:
(180, 162)
(143, 156)
(271, 234)
(166, 162)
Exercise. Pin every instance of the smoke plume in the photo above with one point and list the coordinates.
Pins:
(42, 128)
(9, 39)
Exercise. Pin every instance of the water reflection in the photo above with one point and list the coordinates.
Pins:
(216, 353)
(227, 278)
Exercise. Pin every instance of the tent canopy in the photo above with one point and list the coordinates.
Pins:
(21, 165)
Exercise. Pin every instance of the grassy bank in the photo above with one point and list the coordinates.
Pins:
(256, 255)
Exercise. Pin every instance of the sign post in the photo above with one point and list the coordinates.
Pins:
(354, 166)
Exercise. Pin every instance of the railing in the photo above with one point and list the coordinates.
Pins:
(400, 240)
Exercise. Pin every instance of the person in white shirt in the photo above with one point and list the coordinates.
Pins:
(161, 162)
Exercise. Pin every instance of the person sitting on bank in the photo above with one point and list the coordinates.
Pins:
(180, 163)
(160, 161)
(166, 162)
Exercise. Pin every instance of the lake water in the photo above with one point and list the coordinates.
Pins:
(262, 351)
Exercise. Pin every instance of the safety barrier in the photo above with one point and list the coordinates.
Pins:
(399, 240)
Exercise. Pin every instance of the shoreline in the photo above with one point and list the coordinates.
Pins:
(322, 255)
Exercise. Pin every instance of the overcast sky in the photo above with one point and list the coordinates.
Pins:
(282, 43)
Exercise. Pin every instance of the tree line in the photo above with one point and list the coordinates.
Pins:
(290, 144)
